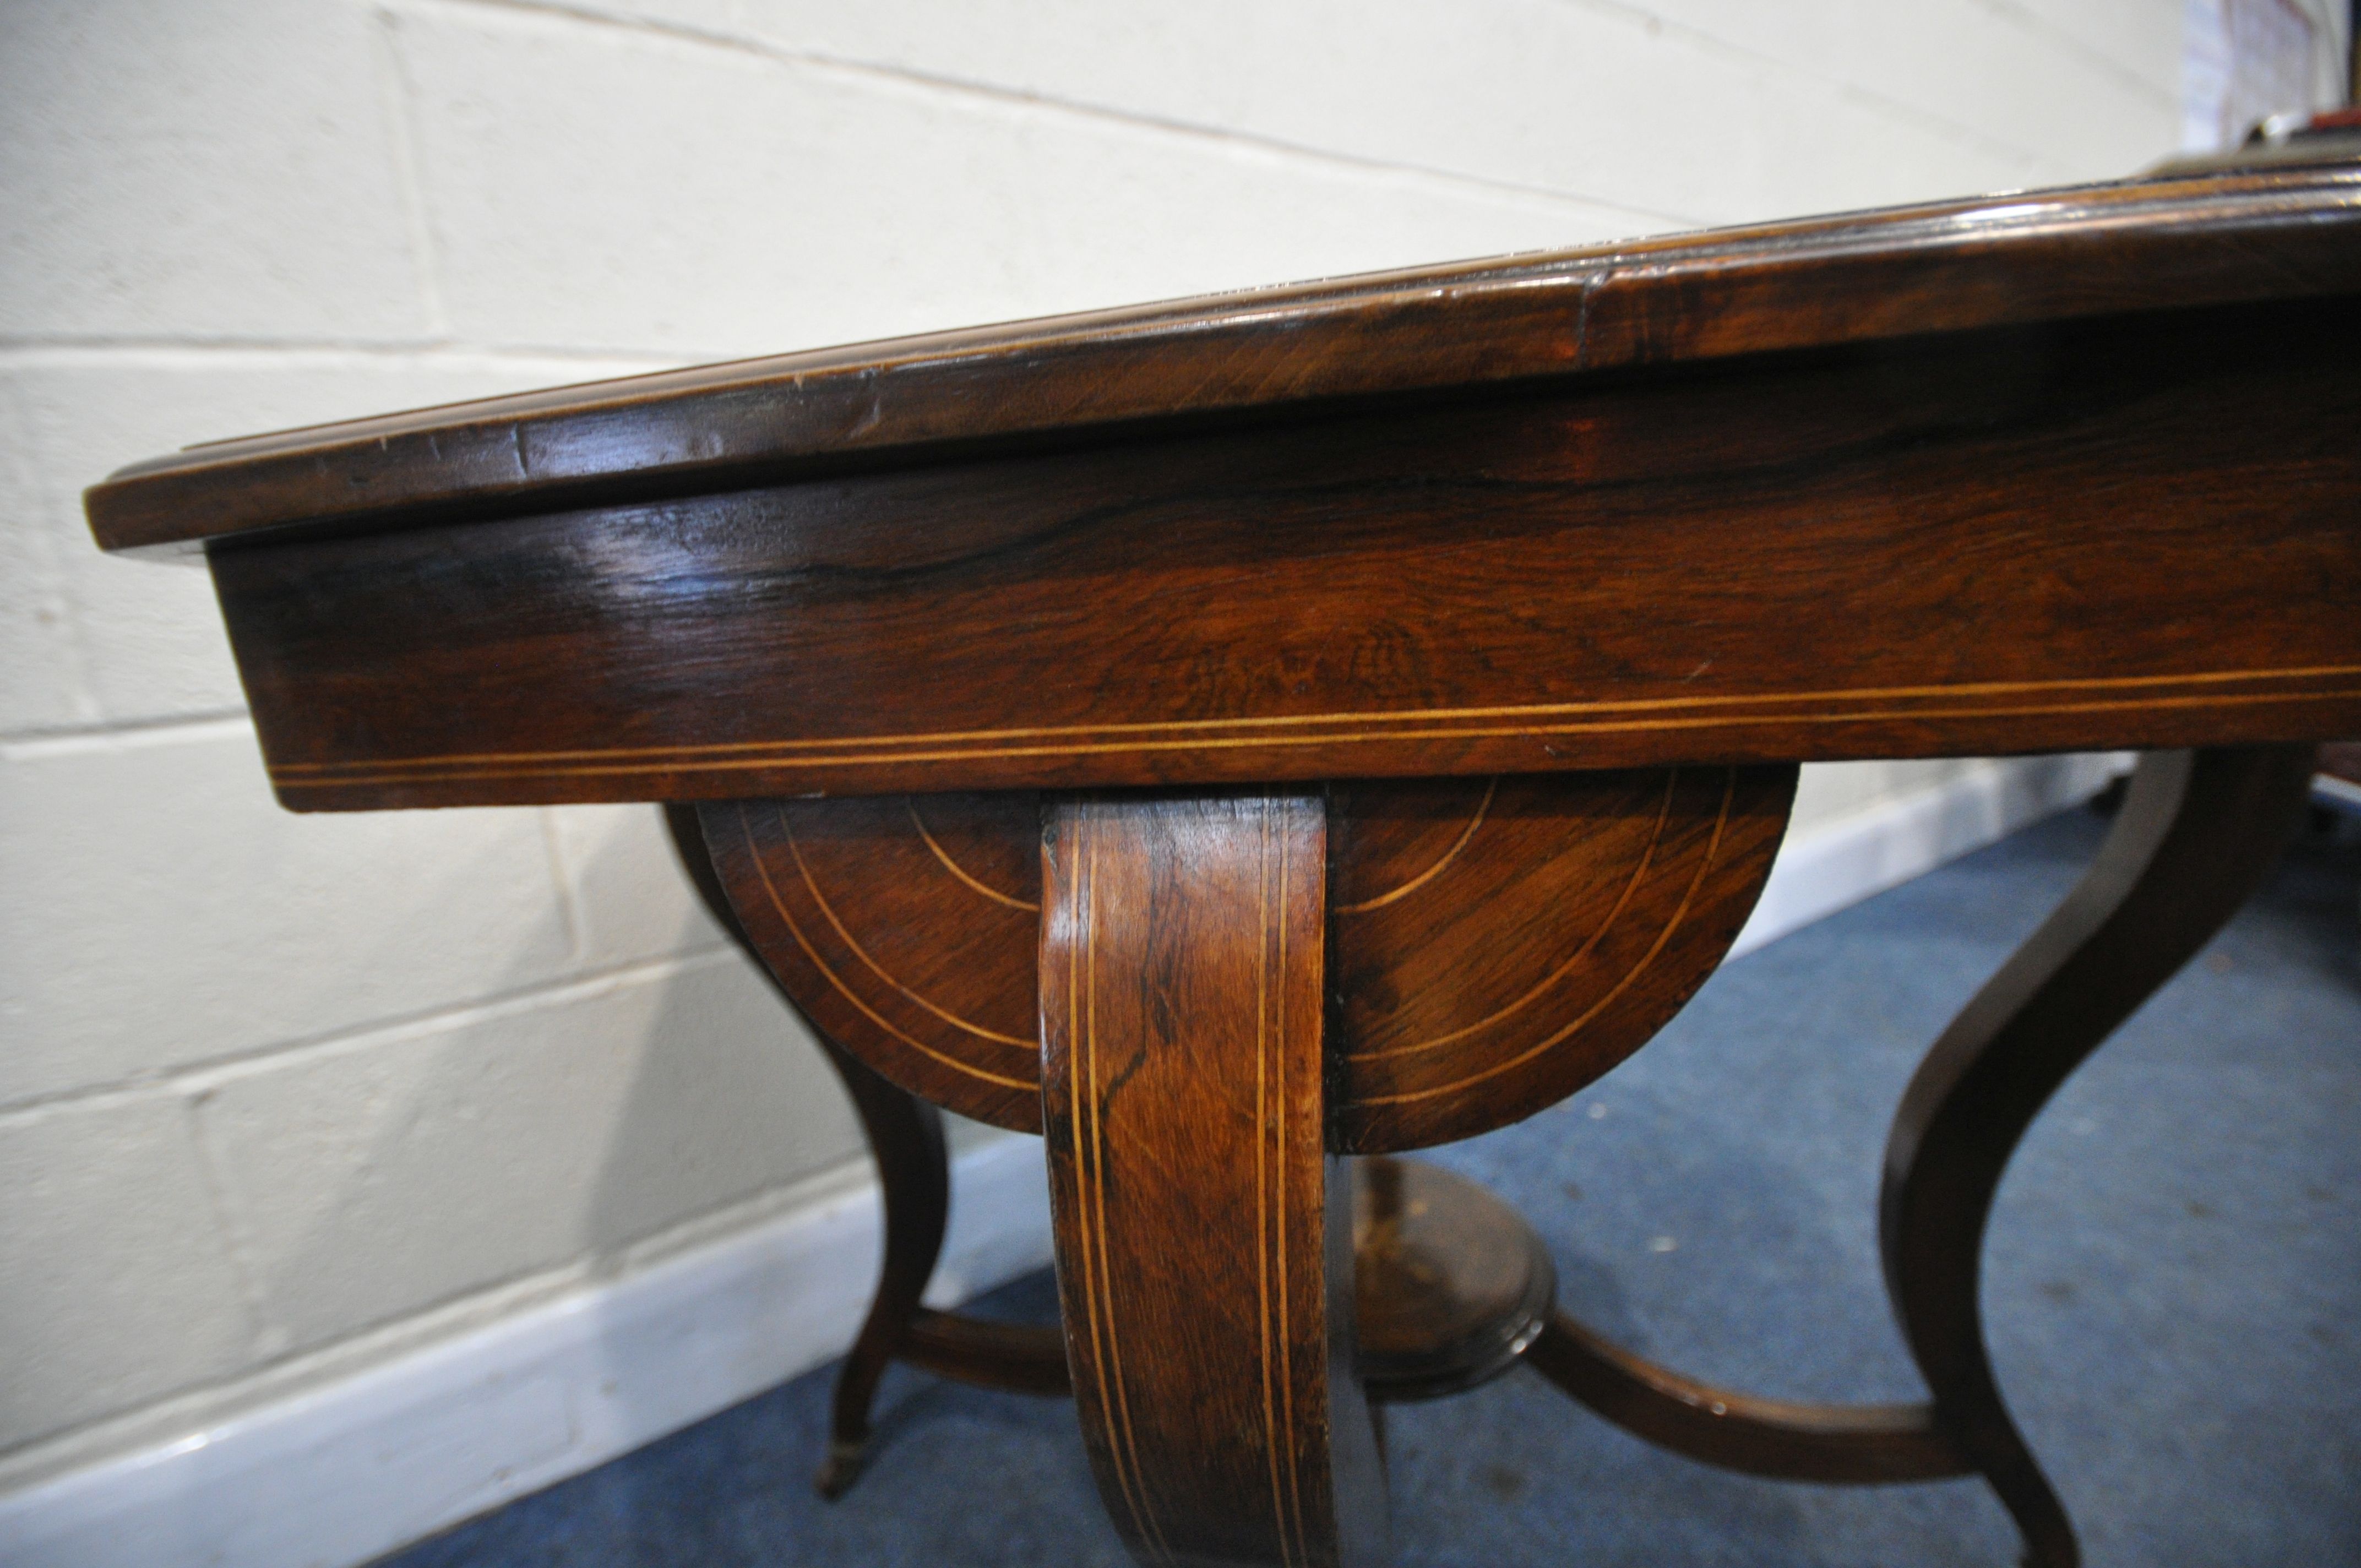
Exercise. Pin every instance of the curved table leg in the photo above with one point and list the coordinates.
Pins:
(905, 1135)
(2197, 834)
(913, 1170)
(1785, 1439)
(1204, 1235)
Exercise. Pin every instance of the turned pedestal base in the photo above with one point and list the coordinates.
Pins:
(1450, 1285)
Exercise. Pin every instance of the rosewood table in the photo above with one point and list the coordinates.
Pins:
(1245, 740)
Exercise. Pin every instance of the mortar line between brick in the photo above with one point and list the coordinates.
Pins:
(124, 734)
(229, 1222)
(394, 98)
(231, 1066)
(21, 433)
(2058, 37)
(907, 76)
(279, 1376)
(1900, 109)
(195, 1407)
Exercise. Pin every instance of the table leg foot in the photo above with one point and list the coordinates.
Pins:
(2197, 834)
(841, 1468)
(914, 1172)
(1203, 1234)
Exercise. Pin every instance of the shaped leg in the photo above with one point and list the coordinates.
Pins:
(905, 1135)
(2197, 834)
(913, 1169)
(1204, 1235)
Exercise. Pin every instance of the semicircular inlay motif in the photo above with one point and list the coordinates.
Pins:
(1574, 916)
(1495, 944)
(907, 929)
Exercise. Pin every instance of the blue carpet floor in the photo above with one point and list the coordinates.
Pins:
(2173, 1289)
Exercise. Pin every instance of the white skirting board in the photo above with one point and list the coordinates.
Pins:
(355, 1469)
(352, 1469)
(1841, 863)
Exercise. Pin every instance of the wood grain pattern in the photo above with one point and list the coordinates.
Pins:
(1450, 1285)
(905, 1139)
(1203, 1234)
(908, 929)
(1496, 948)
(2052, 471)
(1944, 546)
(1951, 266)
(2197, 834)
(1498, 942)
(1787, 1439)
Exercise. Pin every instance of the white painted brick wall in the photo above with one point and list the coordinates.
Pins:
(162, 912)
(766, 171)
(200, 172)
(119, 1289)
(280, 1096)
(145, 643)
(383, 1175)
